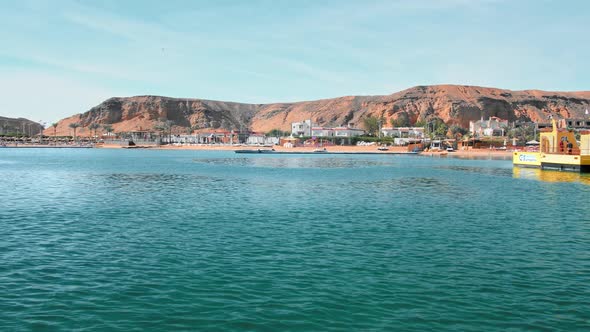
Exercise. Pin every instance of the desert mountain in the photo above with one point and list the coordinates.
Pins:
(455, 104)
(19, 126)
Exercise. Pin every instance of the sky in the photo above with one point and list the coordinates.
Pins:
(59, 58)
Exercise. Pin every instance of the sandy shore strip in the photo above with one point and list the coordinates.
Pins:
(337, 148)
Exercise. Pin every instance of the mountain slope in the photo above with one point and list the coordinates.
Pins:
(455, 104)
(19, 125)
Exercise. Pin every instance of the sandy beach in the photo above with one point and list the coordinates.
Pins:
(475, 153)
(337, 148)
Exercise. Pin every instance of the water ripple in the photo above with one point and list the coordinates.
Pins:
(211, 242)
(294, 162)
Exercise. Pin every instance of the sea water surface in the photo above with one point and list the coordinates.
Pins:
(132, 240)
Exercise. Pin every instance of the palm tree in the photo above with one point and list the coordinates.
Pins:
(92, 127)
(74, 126)
(169, 124)
(54, 125)
(108, 128)
(161, 127)
(371, 124)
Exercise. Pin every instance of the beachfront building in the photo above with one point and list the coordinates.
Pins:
(322, 132)
(255, 139)
(529, 124)
(347, 132)
(542, 125)
(184, 139)
(140, 136)
(289, 142)
(305, 128)
(573, 123)
(216, 137)
(302, 128)
(261, 139)
(403, 132)
(494, 126)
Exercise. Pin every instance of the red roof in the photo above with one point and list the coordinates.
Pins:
(344, 128)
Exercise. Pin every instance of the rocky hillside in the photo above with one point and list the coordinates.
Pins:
(19, 126)
(455, 104)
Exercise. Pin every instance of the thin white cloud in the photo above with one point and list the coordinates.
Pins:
(118, 26)
(69, 65)
(148, 33)
(307, 70)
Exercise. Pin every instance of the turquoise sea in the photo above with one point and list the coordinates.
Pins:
(141, 240)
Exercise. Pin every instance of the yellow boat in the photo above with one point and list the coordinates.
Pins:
(550, 176)
(558, 150)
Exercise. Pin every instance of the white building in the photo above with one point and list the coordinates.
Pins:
(494, 126)
(322, 132)
(258, 139)
(348, 132)
(575, 123)
(184, 139)
(255, 139)
(305, 128)
(301, 128)
(403, 132)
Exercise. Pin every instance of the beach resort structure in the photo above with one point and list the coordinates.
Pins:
(302, 128)
(577, 124)
(570, 123)
(348, 132)
(221, 137)
(209, 137)
(305, 128)
(494, 126)
(403, 132)
(336, 132)
(261, 139)
(322, 132)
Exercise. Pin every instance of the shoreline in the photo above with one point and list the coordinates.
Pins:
(336, 149)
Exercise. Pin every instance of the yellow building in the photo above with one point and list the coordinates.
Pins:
(559, 150)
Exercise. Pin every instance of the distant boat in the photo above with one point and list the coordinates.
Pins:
(383, 148)
(320, 150)
(256, 151)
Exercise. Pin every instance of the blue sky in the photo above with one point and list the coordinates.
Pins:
(60, 58)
